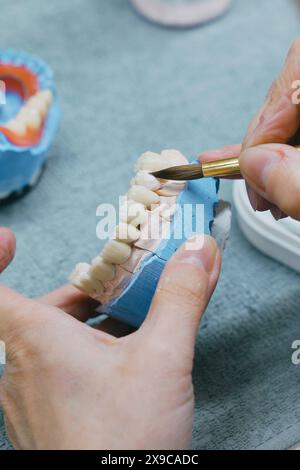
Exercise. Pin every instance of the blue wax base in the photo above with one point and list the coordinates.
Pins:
(132, 305)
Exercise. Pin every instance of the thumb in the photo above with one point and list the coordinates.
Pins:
(183, 293)
(13, 306)
(7, 247)
(273, 171)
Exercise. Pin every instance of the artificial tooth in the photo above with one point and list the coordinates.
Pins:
(17, 126)
(143, 195)
(91, 285)
(168, 212)
(173, 158)
(30, 117)
(116, 252)
(45, 95)
(133, 213)
(126, 233)
(150, 161)
(82, 279)
(39, 104)
(101, 270)
(143, 178)
(139, 220)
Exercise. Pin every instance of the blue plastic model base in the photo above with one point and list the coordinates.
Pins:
(20, 167)
(126, 307)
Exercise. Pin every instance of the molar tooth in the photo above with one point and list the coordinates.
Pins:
(126, 233)
(150, 161)
(101, 270)
(173, 158)
(17, 126)
(116, 252)
(143, 178)
(133, 213)
(30, 117)
(46, 95)
(38, 104)
(143, 195)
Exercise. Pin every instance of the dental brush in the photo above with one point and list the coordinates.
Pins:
(216, 169)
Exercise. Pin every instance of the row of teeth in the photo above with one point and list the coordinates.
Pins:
(32, 114)
(140, 198)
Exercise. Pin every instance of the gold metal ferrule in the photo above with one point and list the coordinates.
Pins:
(227, 167)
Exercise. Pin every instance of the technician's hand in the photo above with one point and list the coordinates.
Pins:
(272, 169)
(69, 386)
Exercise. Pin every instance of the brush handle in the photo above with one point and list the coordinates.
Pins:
(227, 167)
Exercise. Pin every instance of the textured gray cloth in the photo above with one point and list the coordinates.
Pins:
(127, 86)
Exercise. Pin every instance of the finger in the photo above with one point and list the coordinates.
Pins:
(279, 118)
(183, 292)
(72, 301)
(230, 151)
(233, 151)
(257, 202)
(15, 312)
(273, 170)
(7, 247)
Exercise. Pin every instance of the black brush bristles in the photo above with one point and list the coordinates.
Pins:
(180, 173)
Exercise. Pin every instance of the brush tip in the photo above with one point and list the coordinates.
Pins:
(180, 173)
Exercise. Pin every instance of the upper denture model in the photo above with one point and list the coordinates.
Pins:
(156, 218)
(29, 118)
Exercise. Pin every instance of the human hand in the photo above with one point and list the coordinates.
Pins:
(70, 386)
(271, 168)
(7, 247)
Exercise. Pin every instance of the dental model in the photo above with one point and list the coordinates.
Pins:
(29, 117)
(153, 224)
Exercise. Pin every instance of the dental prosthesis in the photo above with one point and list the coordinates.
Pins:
(29, 117)
(123, 278)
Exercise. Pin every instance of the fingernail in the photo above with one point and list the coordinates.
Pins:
(252, 195)
(200, 251)
(277, 213)
(257, 163)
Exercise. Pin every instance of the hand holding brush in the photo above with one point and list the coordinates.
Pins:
(270, 167)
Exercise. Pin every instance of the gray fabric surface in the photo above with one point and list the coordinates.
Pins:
(127, 86)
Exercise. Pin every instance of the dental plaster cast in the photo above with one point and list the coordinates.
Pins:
(29, 120)
(153, 224)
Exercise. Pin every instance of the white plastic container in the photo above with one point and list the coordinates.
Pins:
(278, 239)
(181, 13)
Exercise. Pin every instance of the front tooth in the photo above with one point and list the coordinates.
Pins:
(82, 279)
(101, 270)
(150, 161)
(17, 126)
(143, 178)
(91, 285)
(116, 252)
(127, 233)
(143, 195)
(133, 213)
(30, 117)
